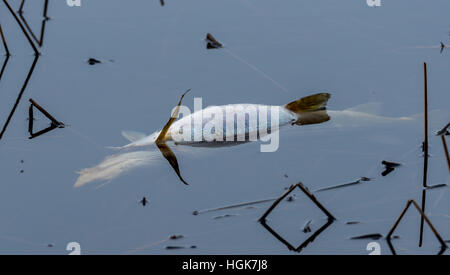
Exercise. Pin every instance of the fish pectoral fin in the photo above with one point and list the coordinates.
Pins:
(133, 136)
(173, 117)
(171, 158)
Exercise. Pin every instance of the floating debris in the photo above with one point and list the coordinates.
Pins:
(224, 216)
(424, 217)
(176, 237)
(22, 171)
(53, 125)
(352, 222)
(389, 167)
(442, 46)
(93, 61)
(358, 181)
(50, 245)
(436, 186)
(239, 205)
(144, 201)
(162, 3)
(290, 199)
(442, 133)
(307, 227)
(212, 43)
(390, 164)
(171, 247)
(286, 176)
(375, 236)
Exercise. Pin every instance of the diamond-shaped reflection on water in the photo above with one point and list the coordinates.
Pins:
(313, 235)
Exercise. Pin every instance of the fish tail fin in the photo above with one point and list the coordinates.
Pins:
(310, 109)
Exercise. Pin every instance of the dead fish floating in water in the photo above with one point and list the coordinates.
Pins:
(229, 125)
(214, 126)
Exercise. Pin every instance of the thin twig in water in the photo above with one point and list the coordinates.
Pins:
(358, 181)
(443, 132)
(424, 216)
(54, 123)
(239, 205)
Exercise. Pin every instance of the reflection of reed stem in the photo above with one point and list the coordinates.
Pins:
(422, 214)
(22, 27)
(425, 142)
(39, 41)
(425, 150)
(444, 143)
(4, 41)
(47, 114)
(19, 97)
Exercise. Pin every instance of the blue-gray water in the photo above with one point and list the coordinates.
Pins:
(151, 54)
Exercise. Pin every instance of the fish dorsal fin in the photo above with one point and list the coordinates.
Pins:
(133, 136)
(373, 108)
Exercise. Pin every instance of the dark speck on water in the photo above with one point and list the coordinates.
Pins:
(290, 199)
(212, 43)
(171, 247)
(93, 61)
(144, 201)
(375, 236)
(176, 237)
(389, 167)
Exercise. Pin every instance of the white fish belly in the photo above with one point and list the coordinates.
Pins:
(230, 123)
